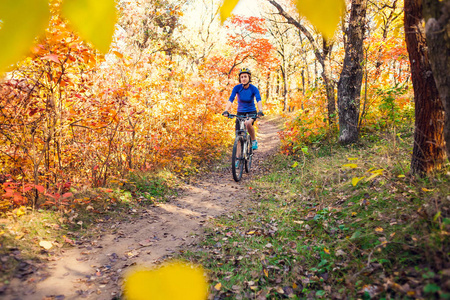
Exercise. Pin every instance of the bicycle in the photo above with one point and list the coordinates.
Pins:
(242, 149)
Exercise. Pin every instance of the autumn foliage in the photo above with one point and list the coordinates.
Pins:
(73, 118)
(386, 96)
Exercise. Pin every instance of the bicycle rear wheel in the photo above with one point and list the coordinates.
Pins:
(237, 159)
(249, 155)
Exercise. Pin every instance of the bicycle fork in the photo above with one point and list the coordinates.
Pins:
(245, 150)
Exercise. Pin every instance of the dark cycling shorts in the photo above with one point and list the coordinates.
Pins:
(243, 114)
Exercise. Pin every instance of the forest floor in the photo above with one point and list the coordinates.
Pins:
(93, 267)
(328, 222)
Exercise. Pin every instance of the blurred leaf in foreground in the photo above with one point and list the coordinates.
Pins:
(94, 20)
(173, 281)
(21, 21)
(324, 14)
(226, 9)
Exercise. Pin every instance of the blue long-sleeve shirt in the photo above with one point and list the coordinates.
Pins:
(245, 97)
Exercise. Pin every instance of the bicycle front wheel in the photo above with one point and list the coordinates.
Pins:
(248, 155)
(237, 159)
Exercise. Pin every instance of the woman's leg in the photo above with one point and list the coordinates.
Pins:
(250, 129)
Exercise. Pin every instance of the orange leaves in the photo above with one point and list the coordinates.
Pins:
(249, 40)
(72, 120)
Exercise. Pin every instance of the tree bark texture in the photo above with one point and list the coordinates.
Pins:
(437, 28)
(428, 150)
(350, 80)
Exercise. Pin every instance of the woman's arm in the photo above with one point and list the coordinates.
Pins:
(259, 105)
(228, 106)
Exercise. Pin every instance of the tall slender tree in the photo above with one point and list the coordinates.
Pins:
(349, 85)
(428, 151)
(322, 55)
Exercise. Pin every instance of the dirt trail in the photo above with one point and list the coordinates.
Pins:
(93, 269)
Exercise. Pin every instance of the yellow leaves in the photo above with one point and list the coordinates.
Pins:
(22, 21)
(324, 14)
(94, 20)
(218, 286)
(375, 174)
(355, 180)
(226, 9)
(379, 229)
(20, 211)
(351, 166)
(172, 281)
(294, 165)
(427, 190)
(326, 250)
(46, 245)
(266, 273)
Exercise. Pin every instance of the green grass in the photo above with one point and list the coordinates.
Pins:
(310, 233)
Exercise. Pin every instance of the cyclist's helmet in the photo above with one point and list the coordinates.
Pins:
(245, 70)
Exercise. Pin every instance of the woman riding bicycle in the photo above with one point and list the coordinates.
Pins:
(246, 93)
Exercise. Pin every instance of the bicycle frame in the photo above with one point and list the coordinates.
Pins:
(242, 129)
(242, 142)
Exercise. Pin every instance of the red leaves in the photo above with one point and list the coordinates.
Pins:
(58, 196)
(52, 57)
(40, 188)
(19, 193)
(252, 24)
(67, 195)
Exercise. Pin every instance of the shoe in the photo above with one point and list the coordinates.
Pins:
(237, 165)
(255, 145)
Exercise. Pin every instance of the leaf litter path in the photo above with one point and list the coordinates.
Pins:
(94, 268)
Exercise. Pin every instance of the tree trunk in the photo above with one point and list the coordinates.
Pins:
(350, 81)
(428, 151)
(437, 14)
(267, 87)
(303, 89)
(284, 88)
(329, 85)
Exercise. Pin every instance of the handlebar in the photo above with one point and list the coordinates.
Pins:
(253, 116)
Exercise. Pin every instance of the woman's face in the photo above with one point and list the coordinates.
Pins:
(244, 78)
